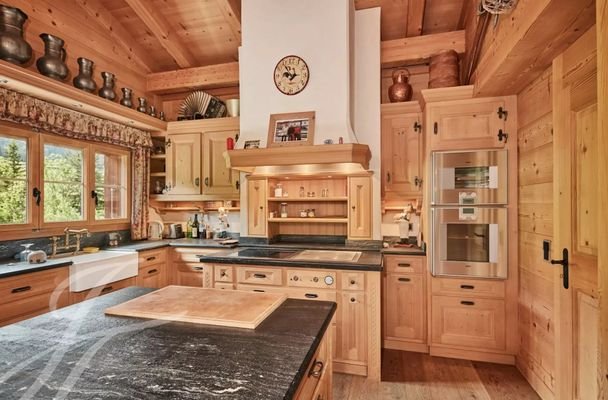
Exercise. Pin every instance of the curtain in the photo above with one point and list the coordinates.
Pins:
(44, 116)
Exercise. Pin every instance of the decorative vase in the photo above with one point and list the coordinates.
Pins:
(52, 63)
(152, 112)
(400, 90)
(143, 107)
(84, 80)
(107, 90)
(13, 48)
(127, 99)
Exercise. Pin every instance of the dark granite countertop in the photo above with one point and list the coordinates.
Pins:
(406, 251)
(80, 353)
(13, 268)
(144, 245)
(368, 261)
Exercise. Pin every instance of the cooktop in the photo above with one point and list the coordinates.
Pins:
(265, 253)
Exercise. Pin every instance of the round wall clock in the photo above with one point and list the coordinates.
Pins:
(291, 75)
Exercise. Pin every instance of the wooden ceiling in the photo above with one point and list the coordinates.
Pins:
(165, 35)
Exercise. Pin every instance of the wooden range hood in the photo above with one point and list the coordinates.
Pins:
(345, 158)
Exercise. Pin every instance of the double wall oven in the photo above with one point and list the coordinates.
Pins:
(469, 214)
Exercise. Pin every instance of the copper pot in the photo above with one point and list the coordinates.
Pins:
(400, 90)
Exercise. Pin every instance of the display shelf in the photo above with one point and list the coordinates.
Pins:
(158, 174)
(158, 156)
(225, 208)
(307, 199)
(315, 220)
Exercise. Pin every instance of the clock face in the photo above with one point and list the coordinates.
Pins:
(291, 75)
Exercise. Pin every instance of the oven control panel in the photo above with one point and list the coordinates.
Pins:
(311, 279)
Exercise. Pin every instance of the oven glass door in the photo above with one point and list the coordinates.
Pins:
(469, 178)
(469, 241)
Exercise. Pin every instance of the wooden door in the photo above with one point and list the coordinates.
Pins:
(402, 154)
(218, 179)
(468, 124)
(575, 118)
(351, 328)
(152, 276)
(256, 207)
(184, 163)
(405, 307)
(360, 204)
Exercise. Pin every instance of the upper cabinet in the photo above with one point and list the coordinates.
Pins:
(218, 179)
(184, 163)
(402, 150)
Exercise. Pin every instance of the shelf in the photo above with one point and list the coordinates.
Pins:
(179, 209)
(158, 156)
(307, 199)
(316, 220)
(226, 208)
(158, 174)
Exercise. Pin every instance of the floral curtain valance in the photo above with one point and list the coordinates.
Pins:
(44, 116)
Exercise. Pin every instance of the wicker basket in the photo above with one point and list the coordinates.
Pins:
(498, 6)
(444, 70)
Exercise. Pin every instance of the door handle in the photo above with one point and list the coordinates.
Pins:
(388, 177)
(197, 181)
(37, 194)
(417, 127)
(95, 197)
(207, 181)
(417, 181)
(564, 262)
(501, 135)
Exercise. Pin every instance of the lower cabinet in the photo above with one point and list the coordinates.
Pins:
(77, 297)
(351, 332)
(317, 381)
(189, 274)
(153, 269)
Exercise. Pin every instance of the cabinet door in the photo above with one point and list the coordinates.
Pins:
(184, 163)
(256, 207)
(197, 275)
(468, 322)
(405, 307)
(152, 276)
(402, 155)
(351, 334)
(217, 177)
(359, 205)
(467, 124)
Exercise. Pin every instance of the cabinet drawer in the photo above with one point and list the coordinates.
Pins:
(259, 276)
(261, 288)
(77, 297)
(315, 376)
(468, 287)
(152, 276)
(468, 322)
(404, 265)
(352, 280)
(152, 257)
(181, 254)
(33, 284)
(311, 278)
(224, 286)
(193, 274)
(312, 294)
(223, 273)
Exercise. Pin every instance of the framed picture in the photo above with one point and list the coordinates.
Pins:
(251, 144)
(291, 129)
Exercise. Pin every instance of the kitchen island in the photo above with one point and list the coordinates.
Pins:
(78, 352)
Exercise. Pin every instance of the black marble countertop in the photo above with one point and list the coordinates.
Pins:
(368, 261)
(80, 353)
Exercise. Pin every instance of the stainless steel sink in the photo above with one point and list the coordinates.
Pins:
(327, 255)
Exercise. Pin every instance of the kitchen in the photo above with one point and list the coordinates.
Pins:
(357, 200)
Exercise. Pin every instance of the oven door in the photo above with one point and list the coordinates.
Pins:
(469, 241)
(469, 178)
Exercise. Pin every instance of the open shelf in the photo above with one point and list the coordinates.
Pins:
(158, 156)
(226, 208)
(307, 199)
(315, 220)
(158, 174)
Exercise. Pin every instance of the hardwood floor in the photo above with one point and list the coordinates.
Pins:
(415, 376)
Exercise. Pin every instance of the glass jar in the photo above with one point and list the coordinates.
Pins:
(311, 213)
(278, 190)
(283, 210)
(303, 213)
(302, 193)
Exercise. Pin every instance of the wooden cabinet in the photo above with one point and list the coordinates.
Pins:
(218, 179)
(193, 274)
(316, 383)
(402, 150)
(351, 325)
(256, 207)
(28, 295)
(359, 206)
(153, 269)
(184, 163)
(101, 290)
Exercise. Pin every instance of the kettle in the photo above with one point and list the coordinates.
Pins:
(155, 230)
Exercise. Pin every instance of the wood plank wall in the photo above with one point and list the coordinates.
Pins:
(535, 143)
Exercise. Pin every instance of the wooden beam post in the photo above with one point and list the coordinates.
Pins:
(602, 226)
(231, 10)
(211, 76)
(415, 17)
(159, 27)
(418, 49)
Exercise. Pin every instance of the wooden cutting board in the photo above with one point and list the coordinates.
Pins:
(202, 306)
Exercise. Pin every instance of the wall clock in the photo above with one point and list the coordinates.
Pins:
(291, 75)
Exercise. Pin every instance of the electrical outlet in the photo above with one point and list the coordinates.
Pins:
(546, 249)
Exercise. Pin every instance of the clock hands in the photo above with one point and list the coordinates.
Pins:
(289, 73)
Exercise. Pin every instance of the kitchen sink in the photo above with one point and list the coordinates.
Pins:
(91, 270)
(328, 255)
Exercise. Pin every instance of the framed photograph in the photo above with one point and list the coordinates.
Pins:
(291, 129)
(251, 144)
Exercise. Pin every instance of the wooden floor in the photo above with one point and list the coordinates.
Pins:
(415, 376)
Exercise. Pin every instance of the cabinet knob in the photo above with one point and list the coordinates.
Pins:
(317, 369)
(197, 181)
(352, 282)
(352, 299)
(207, 181)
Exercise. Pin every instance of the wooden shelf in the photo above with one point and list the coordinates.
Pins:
(158, 174)
(158, 156)
(307, 199)
(63, 94)
(316, 220)
(179, 209)
(226, 208)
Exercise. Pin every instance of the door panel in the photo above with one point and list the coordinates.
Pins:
(184, 163)
(217, 178)
(256, 207)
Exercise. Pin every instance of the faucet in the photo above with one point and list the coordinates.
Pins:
(78, 233)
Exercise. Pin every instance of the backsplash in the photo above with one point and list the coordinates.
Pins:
(9, 248)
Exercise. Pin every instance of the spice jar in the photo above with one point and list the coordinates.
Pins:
(278, 190)
(283, 210)
(303, 213)
(311, 213)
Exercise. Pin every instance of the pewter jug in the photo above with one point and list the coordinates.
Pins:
(143, 107)
(13, 48)
(107, 90)
(127, 99)
(52, 63)
(84, 80)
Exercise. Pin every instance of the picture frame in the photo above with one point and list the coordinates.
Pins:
(291, 129)
(251, 144)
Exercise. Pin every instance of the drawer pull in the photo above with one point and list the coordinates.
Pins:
(21, 289)
(259, 290)
(151, 258)
(404, 265)
(153, 271)
(467, 303)
(468, 287)
(198, 268)
(353, 282)
(316, 369)
(259, 276)
(352, 299)
(106, 289)
(311, 295)
(223, 274)
(404, 279)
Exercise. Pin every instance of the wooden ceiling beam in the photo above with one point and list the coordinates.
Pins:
(419, 49)
(159, 27)
(525, 43)
(181, 80)
(96, 10)
(231, 10)
(415, 17)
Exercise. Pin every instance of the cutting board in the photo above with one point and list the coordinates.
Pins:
(202, 306)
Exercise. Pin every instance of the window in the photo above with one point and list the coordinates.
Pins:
(63, 183)
(110, 193)
(13, 180)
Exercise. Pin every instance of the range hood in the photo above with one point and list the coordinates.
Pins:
(345, 158)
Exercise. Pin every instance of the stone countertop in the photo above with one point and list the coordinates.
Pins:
(369, 261)
(13, 268)
(80, 353)
(406, 251)
(144, 245)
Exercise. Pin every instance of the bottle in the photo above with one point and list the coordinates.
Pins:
(278, 190)
(202, 232)
(195, 226)
(189, 228)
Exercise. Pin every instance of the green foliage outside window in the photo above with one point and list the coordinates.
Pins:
(13, 181)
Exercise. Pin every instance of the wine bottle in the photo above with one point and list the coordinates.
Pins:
(189, 228)
(195, 226)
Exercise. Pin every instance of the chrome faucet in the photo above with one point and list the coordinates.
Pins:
(78, 234)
